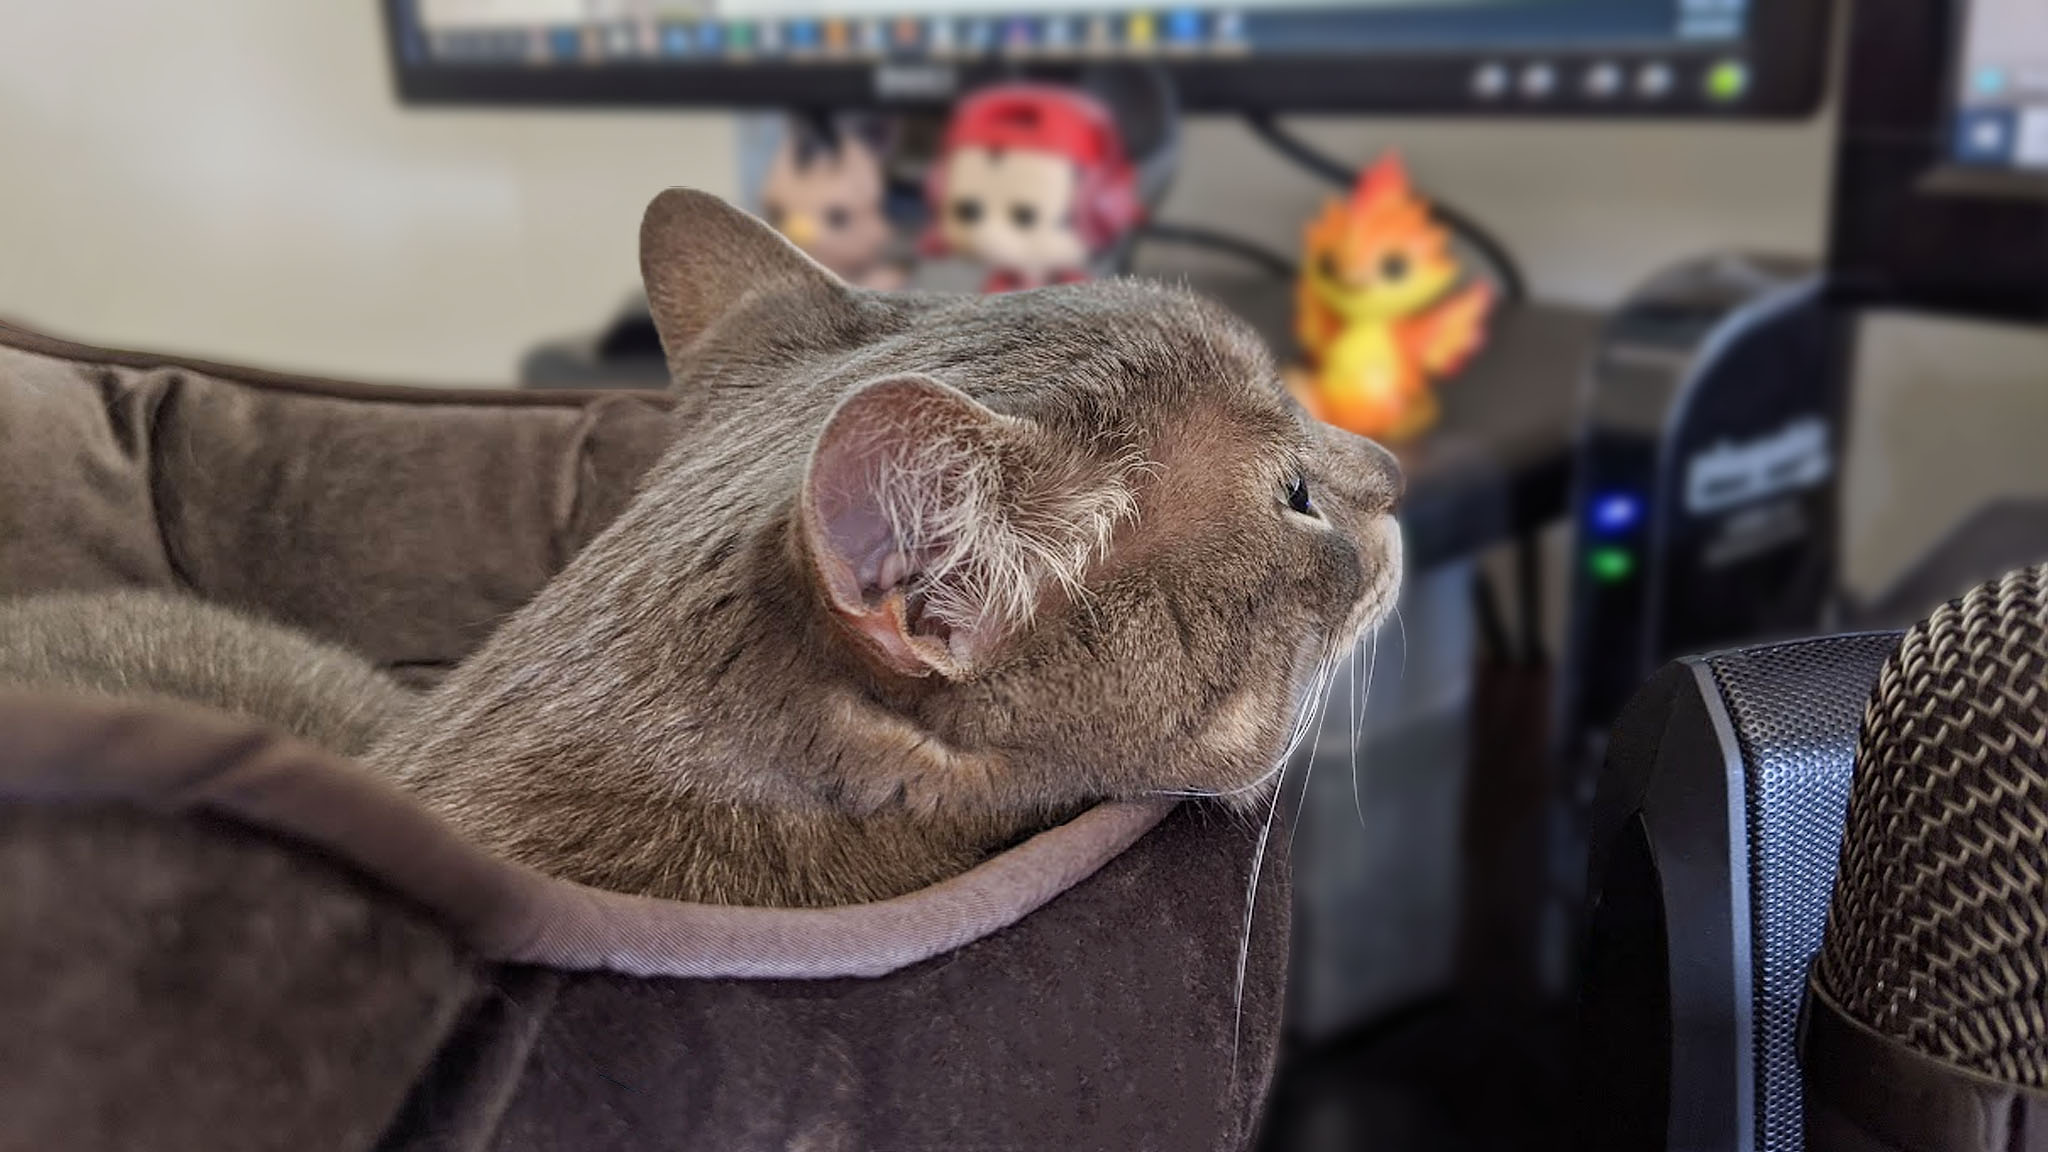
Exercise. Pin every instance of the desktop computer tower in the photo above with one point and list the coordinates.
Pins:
(1707, 475)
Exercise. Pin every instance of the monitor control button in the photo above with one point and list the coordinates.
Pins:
(1603, 80)
(1654, 80)
(1490, 81)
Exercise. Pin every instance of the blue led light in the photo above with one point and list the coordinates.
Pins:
(1617, 512)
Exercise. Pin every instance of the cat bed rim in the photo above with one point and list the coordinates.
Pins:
(170, 757)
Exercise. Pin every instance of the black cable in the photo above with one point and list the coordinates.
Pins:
(1300, 151)
(1191, 236)
(1489, 246)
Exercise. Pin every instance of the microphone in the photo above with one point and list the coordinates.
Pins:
(1926, 1021)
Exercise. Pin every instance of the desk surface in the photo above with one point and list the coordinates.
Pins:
(1499, 463)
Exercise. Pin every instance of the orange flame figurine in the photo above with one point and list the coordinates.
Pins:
(1377, 312)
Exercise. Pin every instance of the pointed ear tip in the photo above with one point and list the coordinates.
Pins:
(673, 204)
(681, 212)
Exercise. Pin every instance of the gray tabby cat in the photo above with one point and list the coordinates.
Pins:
(178, 648)
(917, 577)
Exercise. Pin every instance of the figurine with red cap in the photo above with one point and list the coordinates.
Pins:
(1032, 181)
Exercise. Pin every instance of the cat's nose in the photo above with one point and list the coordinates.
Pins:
(1384, 480)
(1366, 475)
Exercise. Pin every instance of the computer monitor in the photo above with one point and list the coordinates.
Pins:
(1941, 182)
(2000, 87)
(1497, 57)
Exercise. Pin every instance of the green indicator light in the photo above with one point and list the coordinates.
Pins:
(1727, 81)
(1611, 565)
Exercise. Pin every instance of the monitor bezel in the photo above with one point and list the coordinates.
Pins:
(1785, 50)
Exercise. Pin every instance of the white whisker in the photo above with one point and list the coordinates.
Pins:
(1304, 721)
(1212, 793)
(1317, 702)
(1357, 690)
(1403, 626)
(1363, 696)
(1329, 685)
(1244, 943)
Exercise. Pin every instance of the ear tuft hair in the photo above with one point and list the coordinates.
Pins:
(937, 526)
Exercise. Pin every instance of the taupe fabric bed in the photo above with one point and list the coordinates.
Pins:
(212, 937)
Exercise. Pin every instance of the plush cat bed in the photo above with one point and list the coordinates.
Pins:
(218, 938)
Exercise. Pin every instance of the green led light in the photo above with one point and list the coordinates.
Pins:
(1727, 81)
(1611, 565)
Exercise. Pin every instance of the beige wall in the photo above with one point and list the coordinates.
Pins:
(235, 178)
(1947, 415)
(1589, 209)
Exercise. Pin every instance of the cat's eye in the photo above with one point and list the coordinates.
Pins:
(837, 217)
(1023, 216)
(1394, 266)
(1298, 498)
(967, 210)
(1326, 266)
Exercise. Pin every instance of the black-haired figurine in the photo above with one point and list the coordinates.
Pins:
(826, 190)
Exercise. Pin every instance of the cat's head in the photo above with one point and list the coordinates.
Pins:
(1066, 544)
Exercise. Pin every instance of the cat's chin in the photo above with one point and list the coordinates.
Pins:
(1252, 797)
(1257, 795)
(1257, 798)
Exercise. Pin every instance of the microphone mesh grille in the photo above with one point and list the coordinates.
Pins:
(1940, 913)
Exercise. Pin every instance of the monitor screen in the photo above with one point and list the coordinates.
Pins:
(1626, 57)
(2000, 86)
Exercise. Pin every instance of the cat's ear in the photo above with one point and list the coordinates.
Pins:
(934, 526)
(899, 507)
(700, 258)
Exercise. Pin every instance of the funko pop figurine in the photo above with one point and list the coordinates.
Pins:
(826, 190)
(1032, 181)
(1377, 311)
